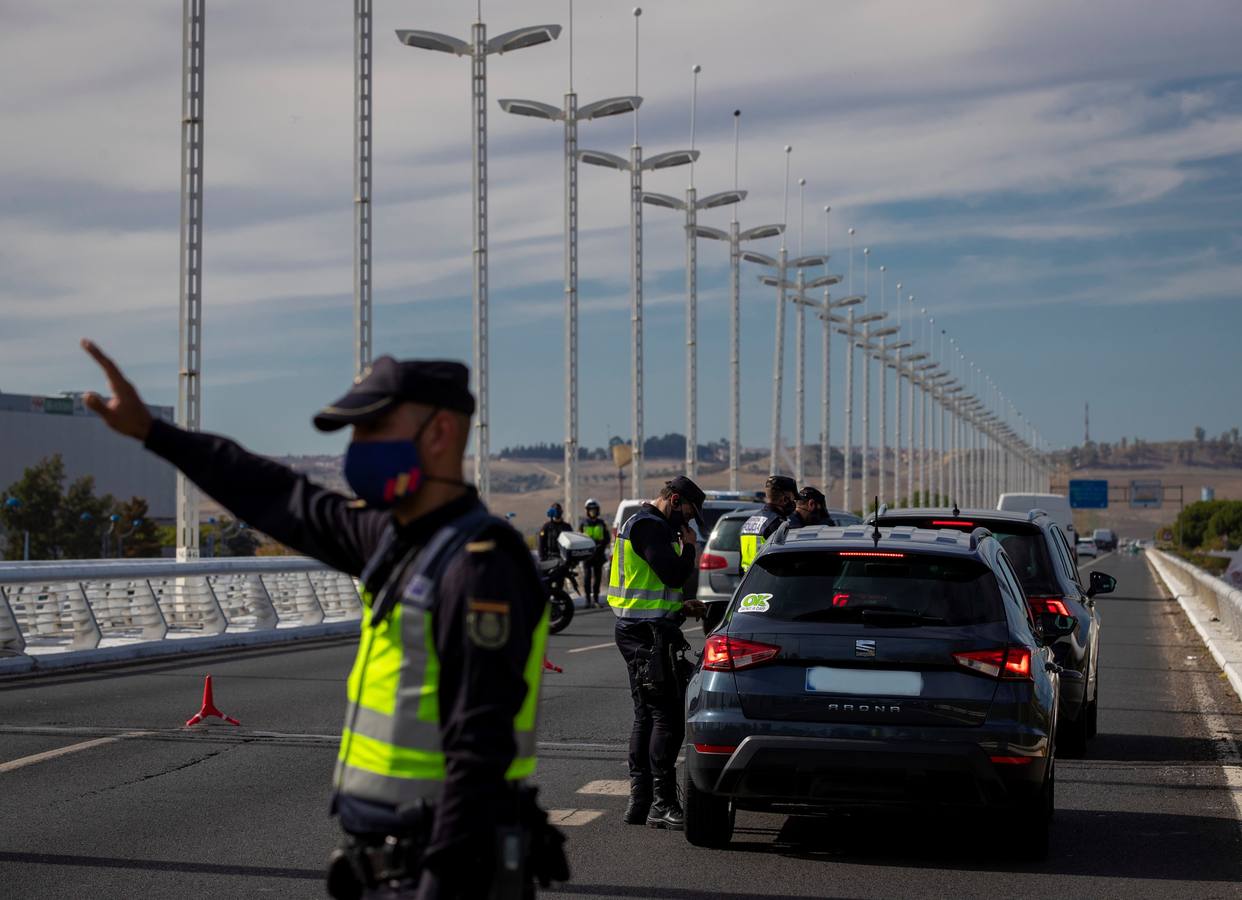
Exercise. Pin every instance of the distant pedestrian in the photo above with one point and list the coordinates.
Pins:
(593, 569)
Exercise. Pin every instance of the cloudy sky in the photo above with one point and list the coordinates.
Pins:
(1056, 182)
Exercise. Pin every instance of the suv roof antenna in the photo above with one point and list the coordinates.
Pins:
(875, 523)
(956, 512)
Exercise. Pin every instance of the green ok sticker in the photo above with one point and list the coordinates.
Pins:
(754, 603)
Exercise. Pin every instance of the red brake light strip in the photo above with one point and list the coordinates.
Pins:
(872, 553)
(950, 523)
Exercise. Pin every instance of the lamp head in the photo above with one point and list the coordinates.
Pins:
(801, 182)
(788, 148)
(638, 11)
(696, 69)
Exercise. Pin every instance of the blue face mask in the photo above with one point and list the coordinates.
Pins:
(383, 472)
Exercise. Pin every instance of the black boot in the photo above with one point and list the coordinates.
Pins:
(640, 802)
(666, 811)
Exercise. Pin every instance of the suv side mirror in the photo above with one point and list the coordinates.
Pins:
(1054, 626)
(1101, 584)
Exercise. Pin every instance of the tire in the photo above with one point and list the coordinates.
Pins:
(713, 616)
(709, 818)
(562, 611)
(1072, 736)
(1035, 820)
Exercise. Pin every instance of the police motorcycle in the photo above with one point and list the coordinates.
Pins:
(573, 549)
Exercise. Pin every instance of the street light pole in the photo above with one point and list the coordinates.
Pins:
(778, 362)
(800, 351)
(635, 166)
(866, 385)
(897, 412)
(571, 114)
(478, 49)
(848, 474)
(189, 383)
(735, 236)
(362, 185)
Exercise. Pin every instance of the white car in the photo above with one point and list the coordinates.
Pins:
(1087, 547)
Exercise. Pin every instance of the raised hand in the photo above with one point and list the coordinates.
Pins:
(125, 412)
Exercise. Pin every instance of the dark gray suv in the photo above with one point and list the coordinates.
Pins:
(860, 667)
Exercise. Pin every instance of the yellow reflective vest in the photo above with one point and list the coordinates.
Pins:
(634, 589)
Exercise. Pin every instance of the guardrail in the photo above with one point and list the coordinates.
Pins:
(75, 604)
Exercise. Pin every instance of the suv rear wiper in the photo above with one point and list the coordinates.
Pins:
(897, 617)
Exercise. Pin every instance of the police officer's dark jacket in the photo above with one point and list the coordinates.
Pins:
(481, 680)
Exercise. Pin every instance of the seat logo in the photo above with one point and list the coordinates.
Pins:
(865, 649)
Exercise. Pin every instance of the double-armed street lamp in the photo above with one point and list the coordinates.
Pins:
(690, 206)
(570, 113)
(478, 49)
(735, 237)
(783, 265)
(636, 166)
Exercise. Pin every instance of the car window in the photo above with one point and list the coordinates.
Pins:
(1067, 558)
(889, 588)
(727, 535)
(1011, 582)
(1028, 555)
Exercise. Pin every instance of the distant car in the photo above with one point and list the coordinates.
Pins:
(856, 670)
(1087, 547)
(1105, 539)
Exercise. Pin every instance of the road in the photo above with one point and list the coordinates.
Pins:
(140, 806)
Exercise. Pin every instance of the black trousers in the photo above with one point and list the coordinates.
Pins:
(592, 578)
(659, 720)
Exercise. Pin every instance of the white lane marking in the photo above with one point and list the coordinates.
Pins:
(606, 788)
(570, 817)
(1096, 560)
(592, 647)
(15, 764)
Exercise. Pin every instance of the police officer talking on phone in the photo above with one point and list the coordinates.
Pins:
(652, 558)
(439, 733)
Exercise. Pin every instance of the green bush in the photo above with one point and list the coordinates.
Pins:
(1213, 523)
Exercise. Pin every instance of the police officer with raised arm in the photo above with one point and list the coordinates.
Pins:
(652, 559)
(780, 499)
(439, 733)
(811, 509)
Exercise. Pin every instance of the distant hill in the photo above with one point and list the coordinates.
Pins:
(1224, 451)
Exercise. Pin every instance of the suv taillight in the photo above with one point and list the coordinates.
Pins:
(722, 653)
(1051, 604)
(1010, 663)
(712, 561)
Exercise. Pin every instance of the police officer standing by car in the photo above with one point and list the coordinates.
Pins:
(652, 558)
(439, 734)
(780, 499)
(811, 509)
(593, 569)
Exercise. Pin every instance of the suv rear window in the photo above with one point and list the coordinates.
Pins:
(902, 590)
(727, 536)
(1024, 544)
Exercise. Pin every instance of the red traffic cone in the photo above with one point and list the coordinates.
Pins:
(548, 665)
(209, 708)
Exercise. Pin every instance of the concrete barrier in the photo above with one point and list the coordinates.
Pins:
(1213, 607)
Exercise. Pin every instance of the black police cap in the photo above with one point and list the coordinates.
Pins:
(690, 491)
(387, 382)
(808, 494)
(781, 483)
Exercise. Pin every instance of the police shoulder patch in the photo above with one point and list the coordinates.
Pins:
(487, 623)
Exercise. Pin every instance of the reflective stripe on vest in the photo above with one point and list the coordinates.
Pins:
(390, 748)
(634, 589)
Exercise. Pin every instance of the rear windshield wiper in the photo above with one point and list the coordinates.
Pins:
(896, 617)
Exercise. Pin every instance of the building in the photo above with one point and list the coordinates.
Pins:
(33, 428)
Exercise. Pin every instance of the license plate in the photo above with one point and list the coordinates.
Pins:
(878, 682)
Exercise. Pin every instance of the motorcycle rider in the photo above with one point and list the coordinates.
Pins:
(551, 530)
(780, 500)
(596, 529)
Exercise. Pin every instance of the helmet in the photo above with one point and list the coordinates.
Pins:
(591, 502)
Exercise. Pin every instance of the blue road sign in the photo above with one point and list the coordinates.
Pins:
(1088, 494)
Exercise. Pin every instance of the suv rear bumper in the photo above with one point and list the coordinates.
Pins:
(794, 773)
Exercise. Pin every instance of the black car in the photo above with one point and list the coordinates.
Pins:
(859, 668)
(1041, 555)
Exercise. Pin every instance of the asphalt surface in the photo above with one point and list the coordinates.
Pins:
(141, 806)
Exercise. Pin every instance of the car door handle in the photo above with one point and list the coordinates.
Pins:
(1053, 667)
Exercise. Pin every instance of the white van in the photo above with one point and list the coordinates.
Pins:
(1055, 505)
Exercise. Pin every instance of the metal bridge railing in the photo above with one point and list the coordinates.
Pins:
(75, 604)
